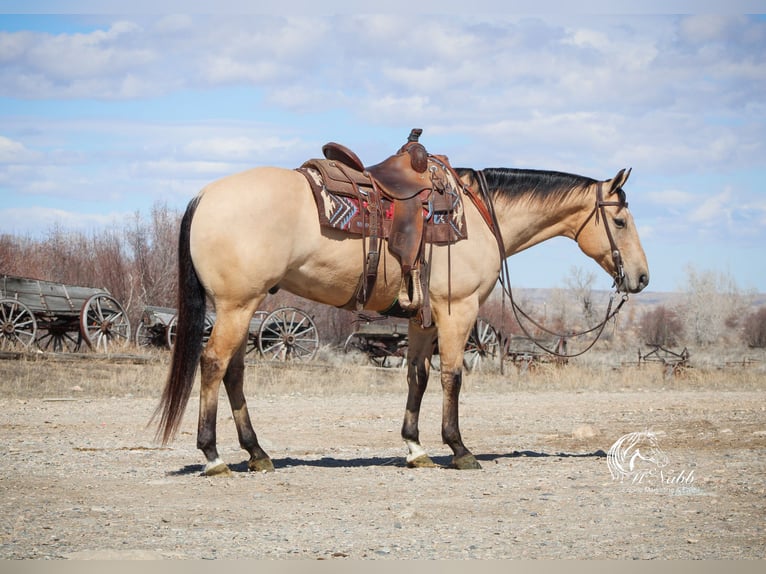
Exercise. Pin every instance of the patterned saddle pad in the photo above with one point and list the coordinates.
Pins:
(342, 196)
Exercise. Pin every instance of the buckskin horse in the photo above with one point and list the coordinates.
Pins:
(255, 231)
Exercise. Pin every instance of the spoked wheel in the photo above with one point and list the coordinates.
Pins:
(18, 327)
(288, 334)
(353, 343)
(255, 327)
(387, 353)
(104, 324)
(145, 336)
(172, 327)
(483, 345)
(59, 336)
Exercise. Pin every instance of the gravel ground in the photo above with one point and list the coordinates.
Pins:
(82, 478)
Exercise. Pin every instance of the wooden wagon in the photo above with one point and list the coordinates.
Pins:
(525, 352)
(287, 333)
(384, 341)
(58, 317)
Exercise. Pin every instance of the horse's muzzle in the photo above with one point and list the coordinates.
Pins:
(629, 285)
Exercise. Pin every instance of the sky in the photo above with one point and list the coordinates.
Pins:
(106, 112)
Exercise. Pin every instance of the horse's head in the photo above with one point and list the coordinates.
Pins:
(608, 234)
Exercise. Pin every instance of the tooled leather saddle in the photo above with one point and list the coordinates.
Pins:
(411, 199)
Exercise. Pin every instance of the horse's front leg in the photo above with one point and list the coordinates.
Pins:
(451, 349)
(420, 349)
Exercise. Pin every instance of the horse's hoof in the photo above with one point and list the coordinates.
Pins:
(466, 462)
(423, 461)
(260, 465)
(220, 469)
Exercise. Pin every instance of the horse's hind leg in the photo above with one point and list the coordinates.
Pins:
(233, 380)
(225, 341)
(419, 351)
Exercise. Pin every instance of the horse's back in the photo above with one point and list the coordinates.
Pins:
(246, 222)
(257, 192)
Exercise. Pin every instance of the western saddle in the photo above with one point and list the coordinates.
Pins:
(398, 199)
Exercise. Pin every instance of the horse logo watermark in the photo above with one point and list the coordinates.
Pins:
(635, 456)
(637, 459)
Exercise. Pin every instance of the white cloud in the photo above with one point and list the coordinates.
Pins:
(238, 148)
(588, 38)
(167, 167)
(705, 28)
(14, 152)
(174, 23)
(671, 197)
(712, 208)
(39, 219)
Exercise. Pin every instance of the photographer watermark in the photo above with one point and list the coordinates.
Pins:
(639, 463)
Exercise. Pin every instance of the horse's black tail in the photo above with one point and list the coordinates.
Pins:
(188, 343)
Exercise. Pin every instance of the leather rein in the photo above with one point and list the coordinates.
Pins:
(505, 282)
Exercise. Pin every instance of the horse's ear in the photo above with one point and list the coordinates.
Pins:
(619, 180)
(469, 174)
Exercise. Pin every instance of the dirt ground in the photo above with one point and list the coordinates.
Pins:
(82, 478)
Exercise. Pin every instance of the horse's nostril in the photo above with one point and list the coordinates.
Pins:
(643, 280)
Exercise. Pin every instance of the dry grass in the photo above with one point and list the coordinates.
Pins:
(82, 376)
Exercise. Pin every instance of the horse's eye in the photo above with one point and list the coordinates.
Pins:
(619, 223)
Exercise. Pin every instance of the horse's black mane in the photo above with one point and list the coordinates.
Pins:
(515, 184)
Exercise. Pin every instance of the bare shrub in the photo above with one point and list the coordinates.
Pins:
(153, 247)
(711, 307)
(754, 329)
(579, 283)
(660, 326)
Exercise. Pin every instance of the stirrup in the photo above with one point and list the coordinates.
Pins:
(417, 292)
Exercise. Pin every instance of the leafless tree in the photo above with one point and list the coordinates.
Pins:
(580, 284)
(712, 306)
(754, 328)
(660, 326)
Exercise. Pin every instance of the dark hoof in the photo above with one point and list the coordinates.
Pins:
(260, 465)
(466, 462)
(218, 470)
(423, 461)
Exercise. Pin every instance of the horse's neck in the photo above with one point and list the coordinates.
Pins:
(527, 223)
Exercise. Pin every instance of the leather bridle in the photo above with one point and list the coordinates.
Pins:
(619, 270)
(505, 281)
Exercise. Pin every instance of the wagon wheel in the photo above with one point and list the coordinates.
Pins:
(104, 323)
(255, 326)
(17, 325)
(392, 355)
(59, 335)
(483, 345)
(151, 334)
(379, 355)
(144, 335)
(353, 343)
(288, 334)
(207, 330)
